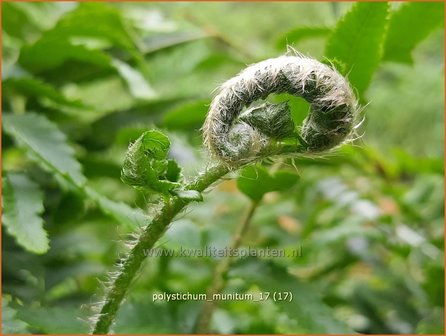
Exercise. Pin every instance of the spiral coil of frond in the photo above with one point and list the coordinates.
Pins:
(236, 136)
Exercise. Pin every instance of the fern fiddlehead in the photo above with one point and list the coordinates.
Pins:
(235, 138)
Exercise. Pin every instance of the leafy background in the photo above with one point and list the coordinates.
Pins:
(83, 80)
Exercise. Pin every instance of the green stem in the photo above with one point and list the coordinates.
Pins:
(219, 279)
(153, 231)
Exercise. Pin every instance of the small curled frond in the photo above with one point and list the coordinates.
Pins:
(146, 166)
(237, 133)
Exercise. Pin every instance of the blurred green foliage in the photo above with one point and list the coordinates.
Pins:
(81, 81)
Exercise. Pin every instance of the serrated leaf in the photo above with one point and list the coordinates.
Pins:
(306, 306)
(48, 147)
(22, 208)
(45, 143)
(408, 26)
(301, 33)
(256, 181)
(357, 41)
(32, 87)
(137, 84)
(10, 323)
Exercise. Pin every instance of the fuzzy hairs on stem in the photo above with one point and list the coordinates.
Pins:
(332, 117)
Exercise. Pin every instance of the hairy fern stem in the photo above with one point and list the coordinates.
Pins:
(236, 136)
(147, 239)
(122, 278)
